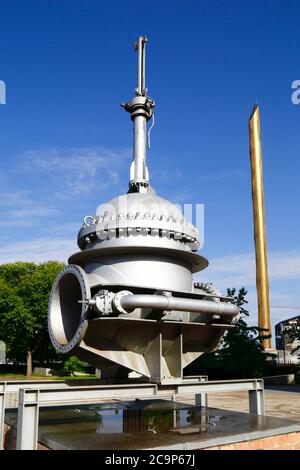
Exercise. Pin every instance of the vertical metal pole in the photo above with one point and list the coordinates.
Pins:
(139, 122)
(201, 399)
(139, 83)
(257, 400)
(28, 419)
(144, 67)
(153, 357)
(140, 46)
(2, 413)
(141, 109)
(139, 148)
(262, 280)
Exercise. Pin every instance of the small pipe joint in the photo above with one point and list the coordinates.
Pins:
(140, 106)
(117, 304)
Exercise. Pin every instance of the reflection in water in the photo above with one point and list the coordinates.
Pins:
(143, 424)
(137, 424)
(152, 416)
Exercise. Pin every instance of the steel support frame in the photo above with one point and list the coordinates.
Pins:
(256, 401)
(28, 419)
(31, 399)
(13, 386)
(255, 388)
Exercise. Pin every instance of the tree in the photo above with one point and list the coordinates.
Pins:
(240, 354)
(292, 333)
(24, 295)
(74, 364)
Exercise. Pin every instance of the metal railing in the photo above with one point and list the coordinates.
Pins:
(33, 395)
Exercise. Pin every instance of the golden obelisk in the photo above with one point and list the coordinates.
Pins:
(262, 280)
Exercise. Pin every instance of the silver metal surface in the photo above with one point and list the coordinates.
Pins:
(201, 399)
(138, 169)
(67, 321)
(168, 303)
(140, 47)
(9, 395)
(256, 401)
(28, 420)
(141, 110)
(143, 244)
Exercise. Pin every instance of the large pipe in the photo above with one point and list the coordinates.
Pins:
(139, 148)
(262, 280)
(165, 302)
(139, 139)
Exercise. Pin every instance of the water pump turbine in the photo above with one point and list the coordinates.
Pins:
(128, 296)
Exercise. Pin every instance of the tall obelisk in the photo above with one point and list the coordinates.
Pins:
(262, 279)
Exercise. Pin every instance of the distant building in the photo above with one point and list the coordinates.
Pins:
(283, 342)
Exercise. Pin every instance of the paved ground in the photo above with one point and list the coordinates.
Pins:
(281, 401)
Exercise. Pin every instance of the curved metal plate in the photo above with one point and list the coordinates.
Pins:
(195, 261)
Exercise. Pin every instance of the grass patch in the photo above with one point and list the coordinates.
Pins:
(43, 377)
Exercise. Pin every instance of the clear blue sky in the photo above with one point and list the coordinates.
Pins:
(65, 141)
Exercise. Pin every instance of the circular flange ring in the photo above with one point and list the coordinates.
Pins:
(67, 309)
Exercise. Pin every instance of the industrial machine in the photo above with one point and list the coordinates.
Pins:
(128, 296)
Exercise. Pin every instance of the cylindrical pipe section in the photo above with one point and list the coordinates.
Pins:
(140, 70)
(141, 65)
(161, 302)
(143, 68)
(139, 147)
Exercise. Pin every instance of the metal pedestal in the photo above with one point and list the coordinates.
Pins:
(32, 396)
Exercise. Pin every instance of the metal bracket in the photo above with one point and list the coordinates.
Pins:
(103, 302)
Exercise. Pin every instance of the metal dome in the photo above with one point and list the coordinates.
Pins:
(138, 214)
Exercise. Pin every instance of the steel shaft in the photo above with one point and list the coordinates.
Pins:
(169, 303)
(139, 172)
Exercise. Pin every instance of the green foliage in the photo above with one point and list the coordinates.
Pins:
(24, 295)
(74, 364)
(240, 354)
(292, 333)
(241, 351)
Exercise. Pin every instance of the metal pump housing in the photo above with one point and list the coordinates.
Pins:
(128, 297)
